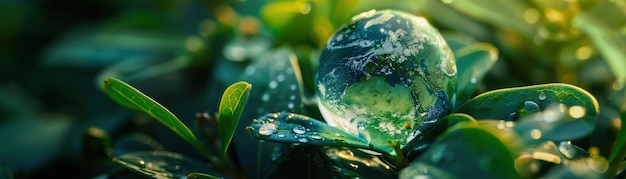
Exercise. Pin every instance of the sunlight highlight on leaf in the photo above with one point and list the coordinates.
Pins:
(128, 96)
(233, 102)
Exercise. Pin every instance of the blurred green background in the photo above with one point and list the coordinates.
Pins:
(54, 55)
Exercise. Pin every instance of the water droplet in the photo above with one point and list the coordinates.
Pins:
(273, 84)
(290, 105)
(268, 129)
(299, 129)
(542, 96)
(571, 151)
(292, 97)
(280, 78)
(316, 137)
(293, 87)
(473, 80)
(265, 97)
(354, 166)
(513, 116)
(280, 135)
(303, 140)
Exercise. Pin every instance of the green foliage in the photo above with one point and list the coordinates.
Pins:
(472, 62)
(231, 106)
(539, 94)
(160, 164)
(295, 128)
(132, 98)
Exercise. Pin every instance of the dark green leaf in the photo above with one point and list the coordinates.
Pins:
(162, 164)
(564, 101)
(196, 175)
(294, 128)
(355, 163)
(135, 99)
(465, 152)
(277, 82)
(424, 136)
(231, 106)
(302, 162)
(472, 63)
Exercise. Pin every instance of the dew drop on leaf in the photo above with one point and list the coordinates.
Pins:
(542, 96)
(299, 129)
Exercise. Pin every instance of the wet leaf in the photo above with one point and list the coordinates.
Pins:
(465, 152)
(132, 98)
(351, 163)
(277, 82)
(421, 139)
(302, 162)
(196, 175)
(472, 63)
(294, 128)
(231, 106)
(162, 164)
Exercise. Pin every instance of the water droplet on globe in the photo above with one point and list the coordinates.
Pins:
(268, 129)
(299, 129)
(542, 96)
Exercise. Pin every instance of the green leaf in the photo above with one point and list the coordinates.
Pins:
(568, 108)
(302, 162)
(618, 153)
(132, 98)
(606, 40)
(196, 175)
(231, 106)
(502, 14)
(161, 164)
(294, 128)
(424, 136)
(468, 151)
(472, 63)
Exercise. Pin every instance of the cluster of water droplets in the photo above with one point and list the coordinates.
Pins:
(274, 126)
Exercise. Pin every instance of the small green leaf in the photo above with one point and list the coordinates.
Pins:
(294, 128)
(231, 106)
(196, 175)
(565, 107)
(472, 63)
(161, 164)
(132, 98)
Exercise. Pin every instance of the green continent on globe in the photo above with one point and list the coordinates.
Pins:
(383, 74)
